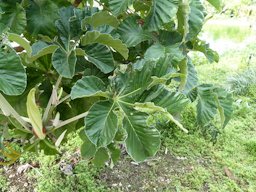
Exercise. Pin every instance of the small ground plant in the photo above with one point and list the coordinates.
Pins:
(104, 65)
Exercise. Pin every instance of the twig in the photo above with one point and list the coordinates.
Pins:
(7, 108)
(63, 123)
(50, 102)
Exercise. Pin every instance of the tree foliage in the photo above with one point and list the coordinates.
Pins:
(105, 66)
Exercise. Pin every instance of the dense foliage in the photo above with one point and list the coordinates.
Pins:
(103, 65)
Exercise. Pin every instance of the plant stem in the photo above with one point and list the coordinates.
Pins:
(63, 123)
(49, 106)
(63, 99)
(9, 110)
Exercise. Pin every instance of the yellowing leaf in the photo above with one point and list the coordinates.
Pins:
(35, 115)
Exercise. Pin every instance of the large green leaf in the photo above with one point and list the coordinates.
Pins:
(225, 101)
(173, 102)
(132, 33)
(212, 100)
(100, 56)
(162, 11)
(101, 157)
(142, 141)
(69, 26)
(192, 79)
(206, 106)
(119, 6)
(196, 18)
(41, 17)
(96, 37)
(88, 86)
(88, 149)
(40, 49)
(64, 62)
(101, 123)
(102, 18)
(13, 79)
(13, 17)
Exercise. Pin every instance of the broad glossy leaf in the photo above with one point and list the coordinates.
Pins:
(102, 18)
(101, 123)
(96, 37)
(100, 56)
(162, 11)
(21, 41)
(13, 78)
(196, 18)
(14, 17)
(132, 33)
(88, 86)
(34, 115)
(64, 62)
(119, 6)
(40, 49)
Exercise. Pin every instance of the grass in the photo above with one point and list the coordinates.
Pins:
(186, 162)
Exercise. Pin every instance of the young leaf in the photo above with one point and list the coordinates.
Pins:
(87, 87)
(35, 115)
